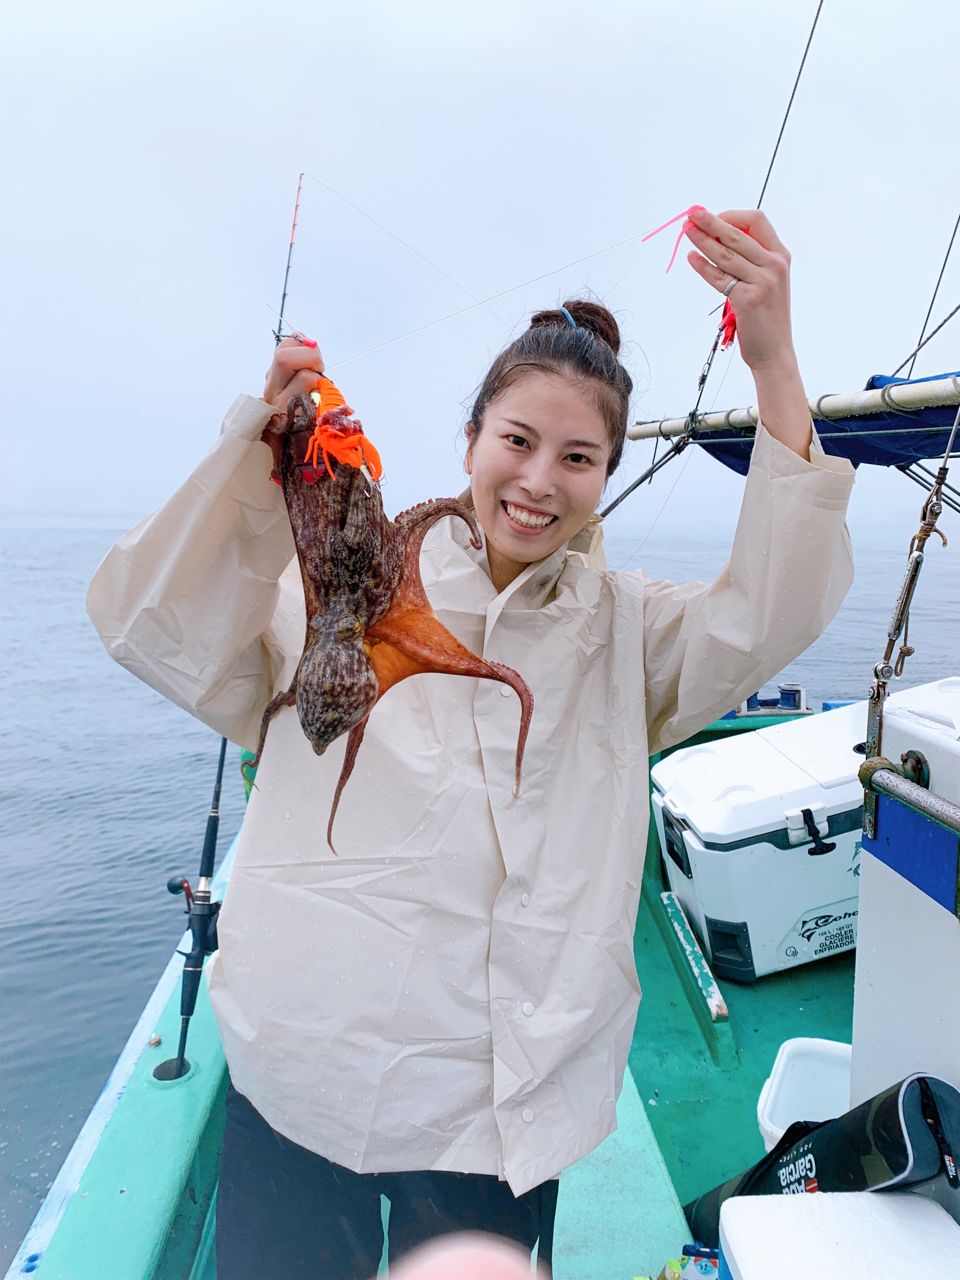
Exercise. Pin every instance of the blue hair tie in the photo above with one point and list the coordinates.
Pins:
(569, 318)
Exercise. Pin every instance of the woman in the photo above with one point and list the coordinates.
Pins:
(443, 1012)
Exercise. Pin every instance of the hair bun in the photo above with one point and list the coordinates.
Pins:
(588, 315)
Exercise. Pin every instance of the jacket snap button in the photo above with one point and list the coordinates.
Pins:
(528, 1008)
(527, 1114)
(524, 899)
(505, 691)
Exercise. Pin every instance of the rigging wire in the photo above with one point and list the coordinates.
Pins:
(933, 334)
(936, 289)
(651, 472)
(793, 94)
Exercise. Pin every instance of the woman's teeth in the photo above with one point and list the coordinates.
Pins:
(527, 518)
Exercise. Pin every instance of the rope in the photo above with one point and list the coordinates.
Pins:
(936, 290)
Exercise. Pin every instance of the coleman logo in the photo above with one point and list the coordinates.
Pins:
(815, 923)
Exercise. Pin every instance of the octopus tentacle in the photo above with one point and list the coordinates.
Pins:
(411, 640)
(287, 699)
(426, 514)
(349, 760)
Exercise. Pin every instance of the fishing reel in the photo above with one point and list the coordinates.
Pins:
(203, 914)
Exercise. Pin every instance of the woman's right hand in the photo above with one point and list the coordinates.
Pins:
(297, 364)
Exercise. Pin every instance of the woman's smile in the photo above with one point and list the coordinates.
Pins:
(525, 520)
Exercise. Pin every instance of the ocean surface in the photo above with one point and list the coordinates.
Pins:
(105, 789)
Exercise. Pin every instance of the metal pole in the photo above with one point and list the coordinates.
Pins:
(906, 396)
(881, 775)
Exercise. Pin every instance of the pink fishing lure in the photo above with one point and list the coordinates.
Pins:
(728, 321)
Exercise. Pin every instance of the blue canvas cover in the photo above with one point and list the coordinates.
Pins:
(893, 439)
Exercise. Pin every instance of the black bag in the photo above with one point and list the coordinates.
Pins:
(904, 1136)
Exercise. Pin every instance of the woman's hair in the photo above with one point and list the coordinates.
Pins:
(587, 352)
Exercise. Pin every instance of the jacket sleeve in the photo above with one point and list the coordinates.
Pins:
(707, 646)
(191, 599)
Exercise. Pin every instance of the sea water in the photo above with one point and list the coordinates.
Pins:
(105, 788)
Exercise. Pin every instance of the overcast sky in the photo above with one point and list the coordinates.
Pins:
(150, 158)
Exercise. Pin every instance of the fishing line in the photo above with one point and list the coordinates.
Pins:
(708, 364)
(492, 298)
(399, 239)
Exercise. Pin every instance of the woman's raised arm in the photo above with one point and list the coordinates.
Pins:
(190, 599)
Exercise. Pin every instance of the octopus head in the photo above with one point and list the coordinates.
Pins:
(336, 689)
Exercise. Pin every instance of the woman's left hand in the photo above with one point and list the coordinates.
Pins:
(740, 245)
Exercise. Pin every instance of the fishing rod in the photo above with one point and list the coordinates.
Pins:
(278, 332)
(202, 913)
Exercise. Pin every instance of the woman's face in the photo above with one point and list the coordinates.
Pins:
(536, 469)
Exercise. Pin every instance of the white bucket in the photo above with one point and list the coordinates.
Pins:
(810, 1080)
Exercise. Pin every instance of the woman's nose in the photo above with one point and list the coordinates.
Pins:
(537, 479)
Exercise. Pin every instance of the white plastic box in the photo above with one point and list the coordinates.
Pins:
(734, 822)
(810, 1080)
(906, 1008)
(837, 1235)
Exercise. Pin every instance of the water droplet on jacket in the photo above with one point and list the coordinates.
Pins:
(287, 814)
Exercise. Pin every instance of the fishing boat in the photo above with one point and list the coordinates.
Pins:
(135, 1198)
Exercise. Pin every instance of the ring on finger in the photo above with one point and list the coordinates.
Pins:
(730, 286)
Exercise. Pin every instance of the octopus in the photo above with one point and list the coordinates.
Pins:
(369, 622)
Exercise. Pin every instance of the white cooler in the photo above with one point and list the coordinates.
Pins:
(734, 819)
(841, 1235)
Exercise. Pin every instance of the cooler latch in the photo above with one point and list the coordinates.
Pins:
(809, 824)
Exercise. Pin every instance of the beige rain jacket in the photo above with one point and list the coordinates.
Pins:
(457, 989)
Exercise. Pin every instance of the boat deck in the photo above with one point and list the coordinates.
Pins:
(700, 1089)
(700, 1077)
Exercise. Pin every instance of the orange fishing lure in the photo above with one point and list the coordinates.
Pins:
(330, 441)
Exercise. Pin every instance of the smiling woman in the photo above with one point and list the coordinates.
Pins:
(547, 430)
(443, 1014)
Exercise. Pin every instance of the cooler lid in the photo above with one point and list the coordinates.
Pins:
(933, 708)
(754, 783)
(822, 745)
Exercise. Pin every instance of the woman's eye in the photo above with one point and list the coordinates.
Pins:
(578, 458)
(517, 440)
